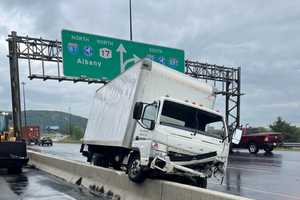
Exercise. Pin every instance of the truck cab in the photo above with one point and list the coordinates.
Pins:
(181, 136)
(152, 118)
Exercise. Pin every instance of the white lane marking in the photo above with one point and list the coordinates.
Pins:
(252, 169)
(262, 191)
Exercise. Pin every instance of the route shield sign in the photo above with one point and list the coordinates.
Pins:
(93, 56)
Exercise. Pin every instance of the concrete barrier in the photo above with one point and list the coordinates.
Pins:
(116, 184)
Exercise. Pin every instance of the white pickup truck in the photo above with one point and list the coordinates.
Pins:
(153, 118)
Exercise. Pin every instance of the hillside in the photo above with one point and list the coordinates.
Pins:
(46, 118)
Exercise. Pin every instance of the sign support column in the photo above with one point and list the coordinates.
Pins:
(15, 83)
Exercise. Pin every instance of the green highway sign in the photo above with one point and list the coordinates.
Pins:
(93, 56)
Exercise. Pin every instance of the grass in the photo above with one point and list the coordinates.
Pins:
(70, 140)
(287, 149)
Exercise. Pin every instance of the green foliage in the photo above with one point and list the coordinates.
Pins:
(44, 118)
(74, 131)
(262, 129)
(291, 133)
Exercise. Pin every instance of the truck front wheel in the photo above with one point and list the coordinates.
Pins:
(201, 182)
(135, 171)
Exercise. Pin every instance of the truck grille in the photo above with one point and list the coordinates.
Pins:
(174, 156)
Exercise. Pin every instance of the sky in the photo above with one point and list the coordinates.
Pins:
(262, 37)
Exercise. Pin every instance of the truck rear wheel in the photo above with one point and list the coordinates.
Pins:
(135, 171)
(99, 160)
(253, 148)
(268, 149)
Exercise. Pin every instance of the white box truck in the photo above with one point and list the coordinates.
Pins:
(152, 118)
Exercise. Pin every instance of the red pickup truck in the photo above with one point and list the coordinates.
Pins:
(253, 139)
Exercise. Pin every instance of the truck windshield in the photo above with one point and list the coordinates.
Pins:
(192, 119)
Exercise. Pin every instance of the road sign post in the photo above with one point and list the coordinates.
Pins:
(92, 56)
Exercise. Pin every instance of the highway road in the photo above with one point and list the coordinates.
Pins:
(275, 176)
(33, 184)
(261, 176)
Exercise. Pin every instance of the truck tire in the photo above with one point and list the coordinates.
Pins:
(268, 149)
(116, 165)
(253, 148)
(201, 182)
(99, 160)
(134, 169)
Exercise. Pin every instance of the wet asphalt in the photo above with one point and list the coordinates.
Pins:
(273, 176)
(34, 184)
(262, 176)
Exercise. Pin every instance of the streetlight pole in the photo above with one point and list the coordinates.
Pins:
(70, 128)
(130, 18)
(24, 105)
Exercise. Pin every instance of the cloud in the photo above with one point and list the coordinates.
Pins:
(260, 36)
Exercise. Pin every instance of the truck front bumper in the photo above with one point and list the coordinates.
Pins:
(272, 144)
(171, 167)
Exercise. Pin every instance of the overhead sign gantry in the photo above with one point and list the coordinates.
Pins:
(123, 54)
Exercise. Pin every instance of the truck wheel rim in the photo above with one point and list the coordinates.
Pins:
(252, 148)
(135, 167)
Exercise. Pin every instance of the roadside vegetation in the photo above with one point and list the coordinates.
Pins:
(74, 133)
(290, 132)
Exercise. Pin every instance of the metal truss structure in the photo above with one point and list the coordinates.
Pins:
(46, 51)
(227, 81)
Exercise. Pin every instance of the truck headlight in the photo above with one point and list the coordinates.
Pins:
(159, 147)
(266, 139)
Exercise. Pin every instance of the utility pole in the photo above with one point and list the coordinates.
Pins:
(130, 19)
(70, 128)
(15, 83)
(24, 105)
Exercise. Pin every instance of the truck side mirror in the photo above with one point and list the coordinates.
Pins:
(236, 137)
(137, 111)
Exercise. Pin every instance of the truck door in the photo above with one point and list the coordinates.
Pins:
(191, 129)
(211, 139)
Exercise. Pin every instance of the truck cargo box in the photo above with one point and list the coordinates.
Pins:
(110, 120)
(31, 134)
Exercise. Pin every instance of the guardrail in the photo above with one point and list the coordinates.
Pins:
(116, 185)
(291, 144)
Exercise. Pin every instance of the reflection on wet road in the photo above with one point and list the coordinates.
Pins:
(274, 176)
(262, 176)
(33, 184)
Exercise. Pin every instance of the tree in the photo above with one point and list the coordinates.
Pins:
(290, 133)
(74, 131)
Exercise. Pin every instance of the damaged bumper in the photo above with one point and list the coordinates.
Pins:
(171, 167)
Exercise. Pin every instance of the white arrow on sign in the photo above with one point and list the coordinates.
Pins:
(121, 49)
(135, 59)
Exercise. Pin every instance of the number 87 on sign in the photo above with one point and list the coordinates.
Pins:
(105, 53)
